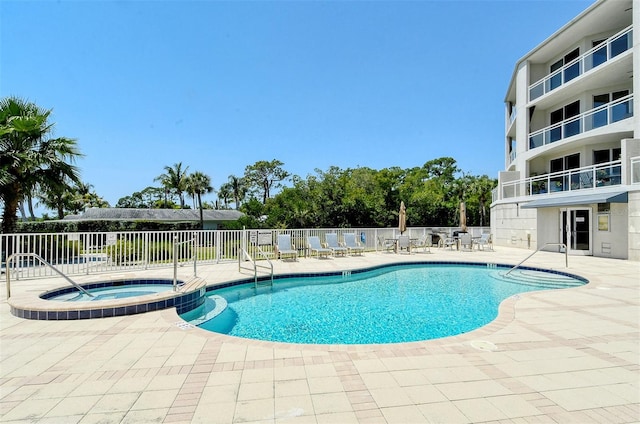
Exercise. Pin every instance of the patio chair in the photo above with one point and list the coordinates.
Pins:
(484, 240)
(449, 242)
(332, 243)
(352, 244)
(285, 247)
(315, 246)
(404, 243)
(466, 242)
(387, 244)
(425, 242)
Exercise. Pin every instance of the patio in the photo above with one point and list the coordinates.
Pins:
(554, 356)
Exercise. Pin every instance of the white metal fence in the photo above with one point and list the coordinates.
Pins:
(91, 253)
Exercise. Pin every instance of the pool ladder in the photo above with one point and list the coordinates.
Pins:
(15, 256)
(245, 255)
(566, 255)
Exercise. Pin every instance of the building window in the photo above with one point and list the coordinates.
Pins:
(569, 73)
(569, 128)
(599, 56)
(561, 182)
(606, 155)
(607, 175)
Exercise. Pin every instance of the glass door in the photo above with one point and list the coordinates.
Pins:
(575, 228)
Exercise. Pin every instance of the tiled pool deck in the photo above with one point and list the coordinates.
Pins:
(566, 356)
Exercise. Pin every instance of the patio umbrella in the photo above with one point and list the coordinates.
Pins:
(402, 218)
(463, 217)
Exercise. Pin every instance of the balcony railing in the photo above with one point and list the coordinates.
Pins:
(598, 55)
(635, 170)
(592, 119)
(588, 177)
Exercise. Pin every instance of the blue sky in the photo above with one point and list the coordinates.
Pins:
(219, 85)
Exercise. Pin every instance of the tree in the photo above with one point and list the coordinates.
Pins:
(57, 194)
(238, 188)
(225, 193)
(85, 197)
(442, 168)
(149, 198)
(29, 156)
(481, 188)
(174, 180)
(198, 184)
(265, 176)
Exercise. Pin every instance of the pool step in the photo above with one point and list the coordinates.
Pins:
(538, 279)
(212, 307)
(194, 283)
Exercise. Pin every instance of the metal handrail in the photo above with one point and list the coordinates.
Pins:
(41, 259)
(566, 255)
(175, 259)
(245, 254)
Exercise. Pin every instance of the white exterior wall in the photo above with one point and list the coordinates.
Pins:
(612, 243)
(548, 224)
(512, 226)
(634, 225)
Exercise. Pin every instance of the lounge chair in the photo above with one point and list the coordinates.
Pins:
(466, 242)
(332, 243)
(315, 246)
(285, 247)
(404, 243)
(352, 244)
(484, 240)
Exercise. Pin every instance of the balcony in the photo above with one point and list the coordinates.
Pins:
(590, 120)
(598, 55)
(573, 180)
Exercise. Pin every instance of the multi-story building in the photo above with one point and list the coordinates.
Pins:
(572, 140)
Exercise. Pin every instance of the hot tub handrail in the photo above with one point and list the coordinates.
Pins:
(43, 261)
(566, 255)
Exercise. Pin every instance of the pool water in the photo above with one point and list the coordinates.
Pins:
(113, 292)
(389, 305)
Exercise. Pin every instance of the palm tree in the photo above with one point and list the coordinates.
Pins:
(29, 157)
(224, 194)
(174, 179)
(58, 193)
(482, 187)
(198, 184)
(238, 188)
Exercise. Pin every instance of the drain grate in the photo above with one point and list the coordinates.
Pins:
(183, 325)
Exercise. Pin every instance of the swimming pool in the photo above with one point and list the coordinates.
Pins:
(390, 304)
